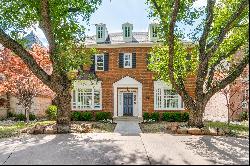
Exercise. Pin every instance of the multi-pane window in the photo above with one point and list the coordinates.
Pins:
(127, 31)
(86, 97)
(100, 32)
(154, 31)
(99, 62)
(127, 60)
(166, 98)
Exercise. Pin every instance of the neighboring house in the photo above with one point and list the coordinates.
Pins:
(13, 67)
(125, 86)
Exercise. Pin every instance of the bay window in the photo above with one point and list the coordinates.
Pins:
(165, 98)
(86, 95)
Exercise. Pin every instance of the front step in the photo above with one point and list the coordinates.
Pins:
(128, 118)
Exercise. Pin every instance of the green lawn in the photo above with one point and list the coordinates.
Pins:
(236, 129)
(9, 130)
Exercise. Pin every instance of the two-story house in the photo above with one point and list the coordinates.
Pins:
(125, 85)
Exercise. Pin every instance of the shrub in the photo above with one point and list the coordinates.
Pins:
(185, 117)
(76, 116)
(32, 117)
(155, 116)
(102, 116)
(166, 116)
(175, 116)
(20, 117)
(146, 116)
(10, 114)
(86, 116)
(52, 112)
(243, 116)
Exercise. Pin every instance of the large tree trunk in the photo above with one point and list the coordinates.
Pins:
(196, 117)
(63, 103)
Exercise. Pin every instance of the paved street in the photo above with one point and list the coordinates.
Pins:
(114, 148)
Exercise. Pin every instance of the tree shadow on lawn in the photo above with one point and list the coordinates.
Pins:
(221, 149)
(73, 149)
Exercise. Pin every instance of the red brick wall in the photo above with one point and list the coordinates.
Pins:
(114, 74)
(140, 73)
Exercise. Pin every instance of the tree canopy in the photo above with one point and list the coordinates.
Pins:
(221, 36)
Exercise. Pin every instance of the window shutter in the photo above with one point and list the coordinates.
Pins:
(121, 60)
(92, 67)
(133, 60)
(106, 61)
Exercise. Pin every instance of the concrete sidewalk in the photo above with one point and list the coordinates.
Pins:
(113, 148)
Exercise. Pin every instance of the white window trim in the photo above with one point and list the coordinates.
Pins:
(130, 55)
(161, 85)
(96, 62)
(86, 84)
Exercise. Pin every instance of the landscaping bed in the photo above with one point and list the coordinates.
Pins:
(210, 128)
(160, 127)
(12, 128)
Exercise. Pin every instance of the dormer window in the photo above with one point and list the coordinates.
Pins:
(127, 32)
(153, 32)
(101, 33)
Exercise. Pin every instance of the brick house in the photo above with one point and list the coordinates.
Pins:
(125, 86)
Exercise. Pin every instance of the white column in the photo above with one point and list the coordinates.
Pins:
(140, 101)
(115, 101)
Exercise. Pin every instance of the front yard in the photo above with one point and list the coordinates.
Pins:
(239, 130)
(12, 128)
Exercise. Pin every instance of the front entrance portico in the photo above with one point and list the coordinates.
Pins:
(127, 97)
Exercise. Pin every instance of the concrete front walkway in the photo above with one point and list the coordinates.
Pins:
(128, 127)
(113, 148)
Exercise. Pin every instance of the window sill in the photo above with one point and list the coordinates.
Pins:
(170, 109)
(97, 109)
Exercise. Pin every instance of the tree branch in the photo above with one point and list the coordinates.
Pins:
(28, 59)
(46, 26)
(180, 89)
(203, 65)
(209, 20)
(157, 7)
(227, 28)
(230, 78)
(223, 56)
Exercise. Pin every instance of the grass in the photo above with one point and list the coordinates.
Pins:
(164, 127)
(236, 130)
(9, 130)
